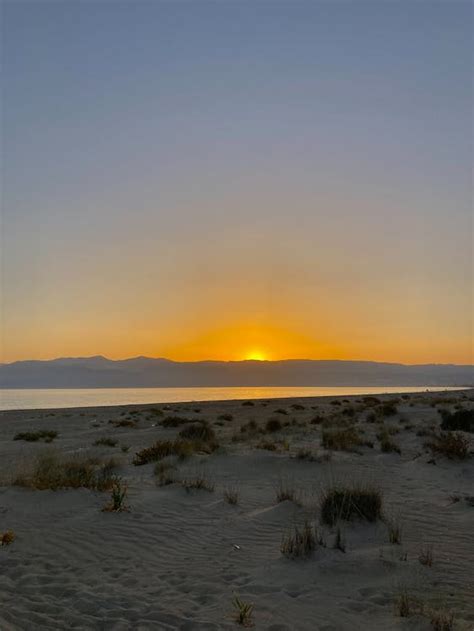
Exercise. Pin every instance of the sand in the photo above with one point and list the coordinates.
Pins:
(177, 558)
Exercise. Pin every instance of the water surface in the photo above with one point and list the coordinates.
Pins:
(91, 397)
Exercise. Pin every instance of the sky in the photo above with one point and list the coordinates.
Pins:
(241, 179)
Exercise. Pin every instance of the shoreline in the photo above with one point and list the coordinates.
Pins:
(364, 391)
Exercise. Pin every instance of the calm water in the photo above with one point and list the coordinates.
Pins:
(89, 397)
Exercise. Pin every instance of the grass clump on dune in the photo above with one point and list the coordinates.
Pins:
(199, 431)
(387, 445)
(350, 502)
(243, 612)
(300, 542)
(453, 445)
(7, 538)
(45, 435)
(461, 420)
(273, 425)
(52, 471)
(179, 447)
(106, 442)
(341, 439)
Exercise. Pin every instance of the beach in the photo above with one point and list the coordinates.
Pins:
(211, 495)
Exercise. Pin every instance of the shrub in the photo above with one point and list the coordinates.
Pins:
(300, 542)
(273, 425)
(7, 538)
(243, 612)
(371, 401)
(200, 431)
(248, 403)
(249, 427)
(349, 502)
(304, 454)
(45, 435)
(388, 408)
(454, 446)
(317, 420)
(341, 439)
(281, 411)
(52, 472)
(461, 420)
(297, 407)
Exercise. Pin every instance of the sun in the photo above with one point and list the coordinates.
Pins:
(256, 355)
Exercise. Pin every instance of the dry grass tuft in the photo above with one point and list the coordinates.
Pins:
(426, 555)
(44, 435)
(52, 471)
(441, 620)
(350, 502)
(231, 495)
(106, 442)
(341, 439)
(454, 446)
(273, 425)
(200, 431)
(117, 499)
(387, 445)
(301, 542)
(286, 490)
(181, 448)
(199, 482)
(461, 420)
(7, 538)
(243, 612)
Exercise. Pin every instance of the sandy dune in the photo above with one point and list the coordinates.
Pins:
(177, 558)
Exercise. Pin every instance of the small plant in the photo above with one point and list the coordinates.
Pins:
(387, 445)
(339, 542)
(250, 427)
(300, 542)
(426, 555)
(350, 502)
(181, 448)
(125, 449)
(243, 612)
(117, 499)
(44, 435)
(297, 407)
(106, 442)
(7, 538)
(248, 403)
(231, 495)
(341, 439)
(281, 411)
(406, 604)
(198, 483)
(273, 425)
(285, 490)
(394, 528)
(201, 431)
(225, 417)
(441, 620)
(124, 423)
(175, 421)
(305, 454)
(267, 445)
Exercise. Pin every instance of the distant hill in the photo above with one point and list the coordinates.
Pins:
(140, 372)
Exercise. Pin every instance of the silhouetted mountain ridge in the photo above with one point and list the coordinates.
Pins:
(139, 372)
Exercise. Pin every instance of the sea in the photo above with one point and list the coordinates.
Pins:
(24, 399)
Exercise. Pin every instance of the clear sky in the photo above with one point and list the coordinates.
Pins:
(241, 179)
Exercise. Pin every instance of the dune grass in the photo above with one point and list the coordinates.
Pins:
(453, 445)
(300, 542)
(348, 502)
(44, 435)
(54, 471)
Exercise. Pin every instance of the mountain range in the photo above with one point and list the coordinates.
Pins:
(140, 372)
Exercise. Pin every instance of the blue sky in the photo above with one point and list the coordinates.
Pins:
(174, 172)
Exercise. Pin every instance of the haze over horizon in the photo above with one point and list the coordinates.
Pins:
(237, 180)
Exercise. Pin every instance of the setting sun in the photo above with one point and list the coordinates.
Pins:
(256, 355)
